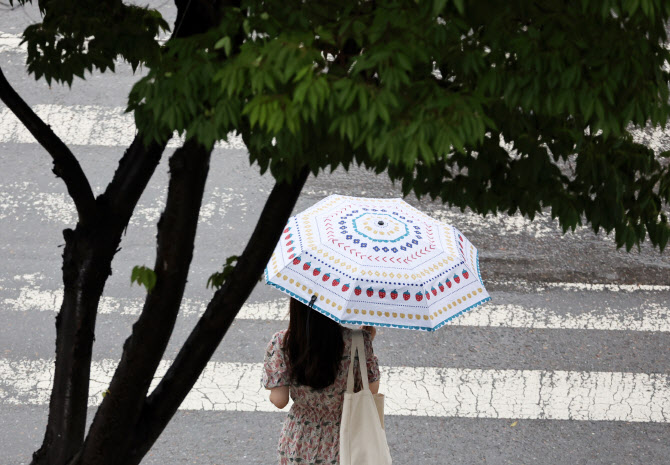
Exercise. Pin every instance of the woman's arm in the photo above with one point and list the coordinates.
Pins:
(374, 387)
(279, 396)
(370, 329)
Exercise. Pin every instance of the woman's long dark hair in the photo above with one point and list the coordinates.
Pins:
(315, 361)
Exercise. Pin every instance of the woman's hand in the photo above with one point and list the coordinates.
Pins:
(370, 329)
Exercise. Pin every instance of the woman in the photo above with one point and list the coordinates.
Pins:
(310, 361)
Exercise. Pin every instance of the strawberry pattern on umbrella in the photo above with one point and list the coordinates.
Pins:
(358, 255)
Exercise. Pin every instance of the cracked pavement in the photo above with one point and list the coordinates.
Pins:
(569, 364)
(414, 391)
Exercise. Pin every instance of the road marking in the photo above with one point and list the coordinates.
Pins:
(11, 43)
(31, 299)
(416, 391)
(655, 138)
(23, 199)
(579, 287)
(92, 125)
(650, 316)
(89, 125)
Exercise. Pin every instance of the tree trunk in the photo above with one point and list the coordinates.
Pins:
(163, 402)
(87, 258)
(108, 437)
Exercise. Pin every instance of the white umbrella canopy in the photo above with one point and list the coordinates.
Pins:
(378, 262)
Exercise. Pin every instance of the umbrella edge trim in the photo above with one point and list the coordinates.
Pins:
(369, 323)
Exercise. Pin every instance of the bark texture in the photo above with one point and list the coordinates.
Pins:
(89, 250)
(66, 165)
(87, 256)
(108, 438)
(164, 401)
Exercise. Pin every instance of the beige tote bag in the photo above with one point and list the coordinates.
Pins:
(362, 437)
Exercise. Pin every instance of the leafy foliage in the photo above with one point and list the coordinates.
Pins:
(144, 277)
(424, 90)
(217, 279)
(74, 37)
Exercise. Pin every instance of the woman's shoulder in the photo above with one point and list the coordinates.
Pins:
(278, 337)
(281, 333)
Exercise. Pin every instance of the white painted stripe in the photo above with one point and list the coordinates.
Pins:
(24, 199)
(88, 125)
(650, 316)
(92, 125)
(654, 318)
(34, 299)
(510, 225)
(656, 138)
(579, 287)
(9, 43)
(419, 391)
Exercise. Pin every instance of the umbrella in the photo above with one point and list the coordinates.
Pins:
(379, 262)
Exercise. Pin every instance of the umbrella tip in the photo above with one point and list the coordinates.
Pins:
(312, 300)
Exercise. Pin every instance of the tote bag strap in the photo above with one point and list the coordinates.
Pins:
(357, 343)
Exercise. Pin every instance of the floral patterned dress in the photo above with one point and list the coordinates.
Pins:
(311, 431)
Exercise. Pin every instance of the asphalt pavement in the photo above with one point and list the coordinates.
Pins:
(568, 364)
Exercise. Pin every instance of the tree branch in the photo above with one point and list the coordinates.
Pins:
(163, 402)
(144, 349)
(135, 169)
(87, 263)
(66, 165)
(139, 162)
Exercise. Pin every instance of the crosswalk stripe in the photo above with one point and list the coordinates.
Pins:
(652, 137)
(415, 391)
(21, 200)
(12, 43)
(108, 126)
(90, 125)
(579, 287)
(655, 317)
(24, 199)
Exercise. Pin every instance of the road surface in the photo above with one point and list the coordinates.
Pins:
(568, 364)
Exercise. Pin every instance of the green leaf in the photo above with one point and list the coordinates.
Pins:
(438, 6)
(219, 278)
(383, 112)
(302, 72)
(144, 277)
(224, 43)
